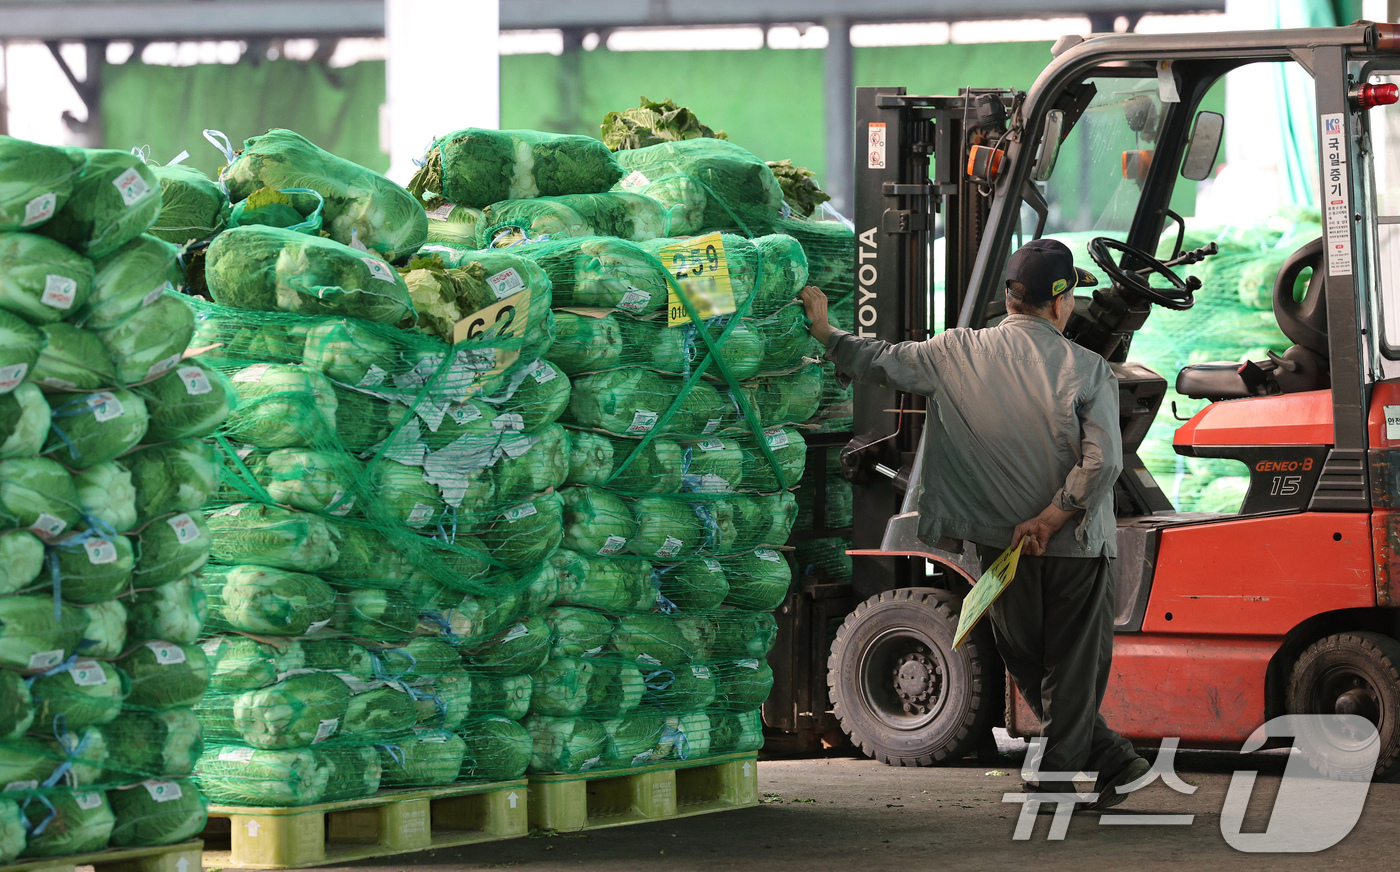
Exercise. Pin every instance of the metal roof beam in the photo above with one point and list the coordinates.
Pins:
(223, 19)
(235, 19)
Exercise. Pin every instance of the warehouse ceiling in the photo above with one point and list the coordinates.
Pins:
(232, 19)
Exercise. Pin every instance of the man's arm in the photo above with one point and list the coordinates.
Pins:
(904, 366)
(1101, 460)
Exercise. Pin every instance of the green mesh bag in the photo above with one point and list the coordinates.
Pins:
(360, 205)
(24, 422)
(732, 732)
(86, 694)
(355, 771)
(43, 281)
(177, 477)
(452, 224)
(272, 536)
(302, 709)
(601, 272)
(740, 190)
(20, 347)
(576, 632)
(130, 278)
(192, 206)
(151, 744)
(238, 663)
(16, 706)
(91, 567)
(625, 216)
(633, 740)
(156, 812)
(447, 289)
(272, 269)
(116, 198)
(600, 583)
(497, 749)
(79, 822)
(73, 359)
(596, 521)
(234, 774)
(266, 601)
(565, 744)
(476, 167)
(38, 180)
(422, 758)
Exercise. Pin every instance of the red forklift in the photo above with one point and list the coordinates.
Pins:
(1223, 621)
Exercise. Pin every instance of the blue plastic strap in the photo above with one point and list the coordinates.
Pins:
(678, 737)
(24, 819)
(394, 751)
(219, 140)
(702, 512)
(655, 682)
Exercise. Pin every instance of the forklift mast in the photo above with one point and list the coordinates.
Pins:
(924, 169)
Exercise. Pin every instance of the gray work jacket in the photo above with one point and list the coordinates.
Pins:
(1019, 417)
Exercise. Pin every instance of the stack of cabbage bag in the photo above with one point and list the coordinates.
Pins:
(103, 468)
(382, 531)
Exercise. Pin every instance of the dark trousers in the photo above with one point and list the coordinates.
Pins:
(1054, 631)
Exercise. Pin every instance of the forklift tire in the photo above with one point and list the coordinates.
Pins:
(1351, 673)
(901, 692)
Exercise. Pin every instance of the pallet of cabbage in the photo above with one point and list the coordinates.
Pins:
(386, 823)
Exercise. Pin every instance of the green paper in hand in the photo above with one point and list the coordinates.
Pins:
(990, 586)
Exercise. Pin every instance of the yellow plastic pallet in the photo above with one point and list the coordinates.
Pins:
(183, 857)
(662, 791)
(390, 822)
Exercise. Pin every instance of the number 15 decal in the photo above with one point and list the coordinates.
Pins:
(1286, 485)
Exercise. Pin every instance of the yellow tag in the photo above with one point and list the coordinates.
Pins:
(995, 580)
(702, 274)
(507, 319)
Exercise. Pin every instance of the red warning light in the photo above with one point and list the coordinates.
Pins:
(1370, 96)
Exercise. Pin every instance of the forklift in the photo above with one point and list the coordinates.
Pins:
(1223, 620)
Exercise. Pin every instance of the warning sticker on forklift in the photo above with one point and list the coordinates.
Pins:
(1335, 195)
(877, 145)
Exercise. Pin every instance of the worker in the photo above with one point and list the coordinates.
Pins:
(1022, 446)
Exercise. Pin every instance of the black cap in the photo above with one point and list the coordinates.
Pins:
(1045, 267)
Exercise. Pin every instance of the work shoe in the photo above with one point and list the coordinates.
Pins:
(1058, 788)
(1108, 789)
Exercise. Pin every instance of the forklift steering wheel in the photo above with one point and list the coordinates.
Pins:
(1179, 296)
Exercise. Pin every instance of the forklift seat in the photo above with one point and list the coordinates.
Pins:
(1303, 367)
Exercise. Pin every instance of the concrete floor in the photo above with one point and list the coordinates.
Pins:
(841, 813)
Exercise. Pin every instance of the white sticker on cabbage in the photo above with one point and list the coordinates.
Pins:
(509, 421)
(642, 758)
(12, 376)
(87, 801)
(316, 625)
(195, 380)
(41, 208)
(420, 513)
(634, 301)
(59, 291)
(432, 739)
(524, 510)
(711, 426)
(133, 188)
(776, 438)
(100, 552)
(105, 406)
(166, 653)
(591, 762)
(229, 511)
(14, 786)
(642, 422)
(669, 548)
(47, 525)
(648, 660)
(252, 373)
(701, 672)
(506, 283)
(712, 564)
(542, 372)
(326, 729)
(711, 445)
(236, 755)
(186, 531)
(46, 659)
(88, 673)
(160, 367)
(443, 212)
(768, 555)
(746, 664)
(516, 632)
(162, 791)
(612, 545)
(373, 376)
(379, 269)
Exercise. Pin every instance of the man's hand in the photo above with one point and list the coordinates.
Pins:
(1038, 530)
(814, 302)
